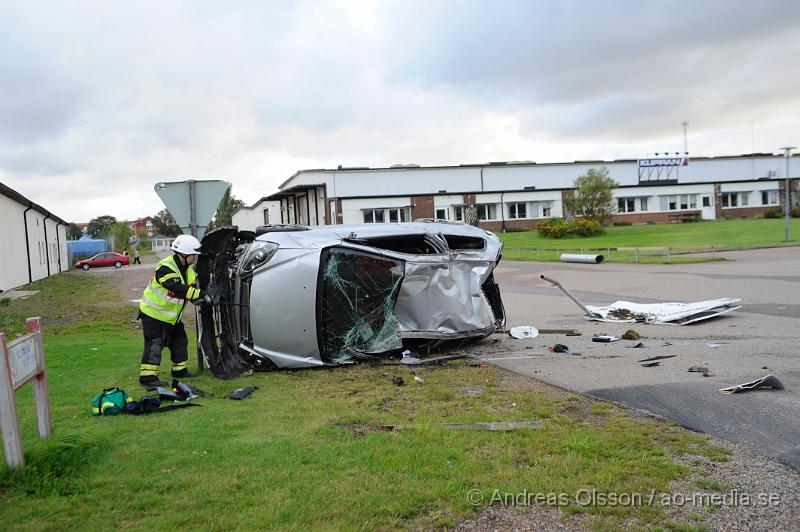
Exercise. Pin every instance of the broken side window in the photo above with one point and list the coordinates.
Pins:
(356, 301)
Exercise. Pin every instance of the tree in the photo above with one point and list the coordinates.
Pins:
(165, 224)
(227, 205)
(100, 226)
(122, 233)
(74, 232)
(593, 197)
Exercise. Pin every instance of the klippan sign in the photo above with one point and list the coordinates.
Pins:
(663, 161)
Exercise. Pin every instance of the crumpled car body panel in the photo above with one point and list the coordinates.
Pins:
(318, 297)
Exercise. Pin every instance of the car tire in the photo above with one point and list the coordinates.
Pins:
(118, 264)
(85, 267)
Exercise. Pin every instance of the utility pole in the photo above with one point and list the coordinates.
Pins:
(685, 124)
(787, 154)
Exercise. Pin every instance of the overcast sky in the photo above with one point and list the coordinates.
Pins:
(99, 100)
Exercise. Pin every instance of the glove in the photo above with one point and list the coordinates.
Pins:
(211, 295)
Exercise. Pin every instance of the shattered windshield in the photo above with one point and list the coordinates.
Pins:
(357, 297)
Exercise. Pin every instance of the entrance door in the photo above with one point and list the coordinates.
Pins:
(707, 202)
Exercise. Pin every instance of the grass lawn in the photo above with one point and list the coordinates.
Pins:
(721, 234)
(306, 449)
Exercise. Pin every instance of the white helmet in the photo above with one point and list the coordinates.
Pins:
(186, 245)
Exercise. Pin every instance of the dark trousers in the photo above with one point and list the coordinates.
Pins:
(157, 336)
(136, 260)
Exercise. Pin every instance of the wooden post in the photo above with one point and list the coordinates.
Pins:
(40, 389)
(9, 422)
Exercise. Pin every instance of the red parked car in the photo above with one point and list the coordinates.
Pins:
(103, 259)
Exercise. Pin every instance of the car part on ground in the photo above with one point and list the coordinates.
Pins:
(301, 297)
(768, 381)
(662, 313)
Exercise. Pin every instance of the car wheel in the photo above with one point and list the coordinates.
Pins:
(118, 264)
(85, 267)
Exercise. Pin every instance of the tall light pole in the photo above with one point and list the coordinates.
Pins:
(685, 124)
(787, 154)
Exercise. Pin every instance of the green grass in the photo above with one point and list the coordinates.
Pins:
(687, 237)
(306, 449)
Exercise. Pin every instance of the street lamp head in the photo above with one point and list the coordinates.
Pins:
(787, 150)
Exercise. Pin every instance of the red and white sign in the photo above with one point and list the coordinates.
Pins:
(22, 360)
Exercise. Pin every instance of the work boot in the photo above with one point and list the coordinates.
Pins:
(183, 374)
(152, 382)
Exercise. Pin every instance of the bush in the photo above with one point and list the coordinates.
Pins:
(622, 224)
(773, 213)
(651, 222)
(794, 212)
(585, 227)
(552, 228)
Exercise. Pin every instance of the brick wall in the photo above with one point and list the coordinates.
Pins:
(748, 212)
(657, 217)
(496, 226)
(422, 207)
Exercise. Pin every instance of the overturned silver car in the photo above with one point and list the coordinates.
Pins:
(292, 297)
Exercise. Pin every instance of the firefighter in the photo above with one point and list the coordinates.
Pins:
(171, 287)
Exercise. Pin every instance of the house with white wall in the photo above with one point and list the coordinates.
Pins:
(33, 241)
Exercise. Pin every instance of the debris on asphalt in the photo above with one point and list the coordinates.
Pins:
(241, 393)
(712, 345)
(523, 331)
(561, 348)
(605, 338)
(398, 381)
(672, 312)
(659, 357)
(630, 334)
(651, 364)
(638, 345)
(504, 426)
(768, 381)
(568, 332)
(589, 313)
(414, 361)
(700, 369)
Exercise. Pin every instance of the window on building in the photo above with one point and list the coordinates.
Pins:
(626, 204)
(397, 215)
(486, 211)
(643, 204)
(678, 202)
(546, 210)
(729, 199)
(441, 214)
(458, 213)
(706, 201)
(373, 216)
(769, 197)
(517, 210)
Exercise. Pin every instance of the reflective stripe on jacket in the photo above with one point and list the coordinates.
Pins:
(161, 304)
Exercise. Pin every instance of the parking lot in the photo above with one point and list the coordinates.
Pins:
(760, 338)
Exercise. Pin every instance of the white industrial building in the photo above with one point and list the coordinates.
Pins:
(34, 241)
(261, 212)
(520, 194)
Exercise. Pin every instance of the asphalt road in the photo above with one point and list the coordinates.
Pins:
(761, 338)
